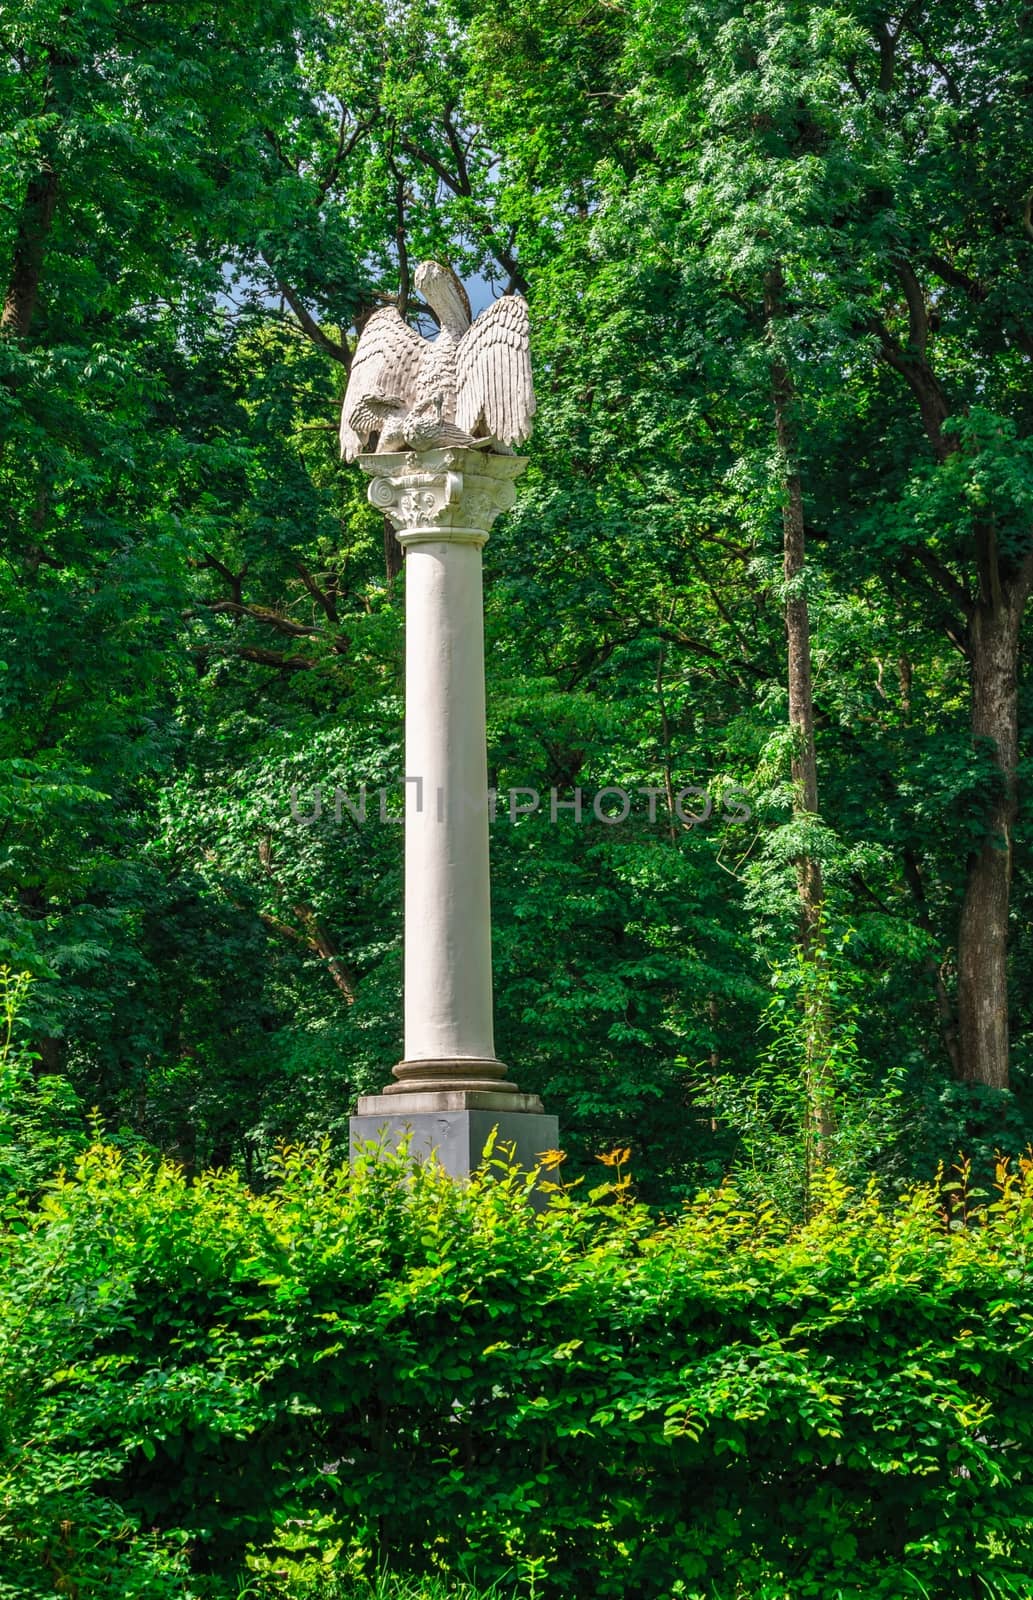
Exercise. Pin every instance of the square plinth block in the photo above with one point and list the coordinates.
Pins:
(457, 1134)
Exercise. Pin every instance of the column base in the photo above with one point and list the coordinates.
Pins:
(456, 1125)
(451, 1073)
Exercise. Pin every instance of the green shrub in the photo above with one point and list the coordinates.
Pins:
(384, 1366)
(319, 1583)
(42, 1120)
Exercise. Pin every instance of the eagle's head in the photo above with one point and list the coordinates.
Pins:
(445, 295)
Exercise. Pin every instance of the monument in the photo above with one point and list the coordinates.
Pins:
(433, 424)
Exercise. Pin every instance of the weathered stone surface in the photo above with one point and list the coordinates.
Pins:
(471, 385)
(457, 1137)
(432, 1101)
(442, 495)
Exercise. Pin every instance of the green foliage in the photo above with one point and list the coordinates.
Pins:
(380, 1364)
(321, 1583)
(42, 1125)
(811, 1100)
(198, 608)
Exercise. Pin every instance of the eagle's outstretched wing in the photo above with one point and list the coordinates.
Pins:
(494, 393)
(386, 363)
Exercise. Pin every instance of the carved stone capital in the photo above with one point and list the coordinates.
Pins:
(452, 495)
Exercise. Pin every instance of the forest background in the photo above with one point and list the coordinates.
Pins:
(776, 536)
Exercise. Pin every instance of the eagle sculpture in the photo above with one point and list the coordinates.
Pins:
(470, 386)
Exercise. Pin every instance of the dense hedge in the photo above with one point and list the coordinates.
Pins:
(433, 1374)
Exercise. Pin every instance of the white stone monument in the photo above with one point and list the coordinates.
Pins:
(445, 416)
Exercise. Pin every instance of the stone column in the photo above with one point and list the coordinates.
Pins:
(450, 1090)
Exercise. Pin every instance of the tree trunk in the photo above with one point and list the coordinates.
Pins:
(798, 628)
(394, 555)
(934, 969)
(815, 1020)
(992, 620)
(993, 650)
(34, 224)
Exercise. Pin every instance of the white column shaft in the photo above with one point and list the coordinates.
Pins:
(448, 992)
(443, 503)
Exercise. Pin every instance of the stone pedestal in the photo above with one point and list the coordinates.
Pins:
(456, 1132)
(450, 1090)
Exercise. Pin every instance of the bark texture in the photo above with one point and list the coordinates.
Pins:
(34, 223)
(815, 1018)
(986, 622)
(797, 618)
(993, 651)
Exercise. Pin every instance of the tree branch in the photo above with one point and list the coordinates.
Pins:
(267, 616)
(948, 273)
(309, 326)
(955, 630)
(234, 579)
(404, 281)
(924, 385)
(270, 658)
(934, 61)
(918, 316)
(502, 254)
(273, 140)
(264, 658)
(946, 582)
(320, 596)
(700, 649)
(887, 43)
(344, 149)
(315, 936)
(459, 155)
